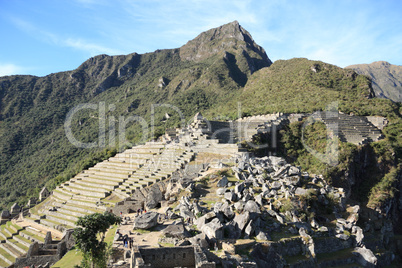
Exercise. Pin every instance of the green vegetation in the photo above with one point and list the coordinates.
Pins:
(384, 189)
(90, 238)
(72, 259)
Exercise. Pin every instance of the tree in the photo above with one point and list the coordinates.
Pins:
(90, 238)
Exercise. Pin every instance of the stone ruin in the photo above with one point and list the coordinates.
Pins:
(43, 194)
(350, 128)
(147, 171)
(4, 216)
(170, 257)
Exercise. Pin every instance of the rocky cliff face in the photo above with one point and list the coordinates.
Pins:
(387, 78)
(227, 39)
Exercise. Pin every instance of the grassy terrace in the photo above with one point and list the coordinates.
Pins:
(23, 239)
(3, 263)
(3, 232)
(61, 218)
(90, 209)
(7, 256)
(37, 237)
(55, 223)
(19, 244)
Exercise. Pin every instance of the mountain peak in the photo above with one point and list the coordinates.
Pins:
(230, 37)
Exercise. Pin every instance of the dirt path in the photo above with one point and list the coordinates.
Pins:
(141, 238)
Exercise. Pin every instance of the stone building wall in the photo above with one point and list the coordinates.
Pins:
(127, 206)
(187, 256)
(169, 257)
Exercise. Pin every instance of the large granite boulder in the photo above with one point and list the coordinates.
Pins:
(213, 229)
(199, 240)
(276, 185)
(228, 212)
(176, 230)
(154, 197)
(262, 236)
(232, 230)
(204, 219)
(300, 191)
(230, 196)
(146, 221)
(185, 212)
(292, 171)
(251, 206)
(249, 230)
(223, 182)
(242, 219)
(365, 257)
(220, 191)
(239, 187)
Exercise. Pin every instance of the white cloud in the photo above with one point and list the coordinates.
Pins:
(92, 49)
(10, 69)
(77, 43)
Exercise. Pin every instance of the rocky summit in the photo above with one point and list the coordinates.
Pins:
(212, 155)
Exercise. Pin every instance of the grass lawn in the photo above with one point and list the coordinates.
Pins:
(69, 260)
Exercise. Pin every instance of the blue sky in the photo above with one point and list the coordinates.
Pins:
(47, 36)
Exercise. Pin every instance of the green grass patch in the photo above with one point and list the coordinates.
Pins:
(69, 260)
(110, 234)
(167, 245)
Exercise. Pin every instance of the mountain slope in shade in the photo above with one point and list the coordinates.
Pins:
(386, 78)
